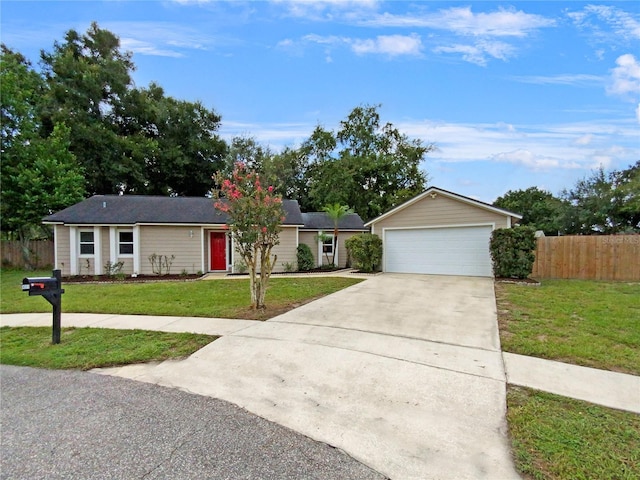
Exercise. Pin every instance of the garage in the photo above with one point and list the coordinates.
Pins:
(440, 233)
(439, 251)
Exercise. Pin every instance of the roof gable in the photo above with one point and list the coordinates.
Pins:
(148, 209)
(448, 194)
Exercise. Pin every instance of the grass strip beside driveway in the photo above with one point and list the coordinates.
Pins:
(588, 323)
(560, 438)
(223, 298)
(86, 348)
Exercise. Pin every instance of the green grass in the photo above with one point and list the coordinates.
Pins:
(225, 298)
(558, 438)
(589, 323)
(85, 348)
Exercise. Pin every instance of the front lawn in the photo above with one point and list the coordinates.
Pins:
(224, 298)
(589, 323)
(86, 348)
(558, 438)
(595, 324)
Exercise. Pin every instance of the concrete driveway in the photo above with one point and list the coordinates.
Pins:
(403, 372)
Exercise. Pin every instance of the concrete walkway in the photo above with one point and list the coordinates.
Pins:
(403, 372)
(602, 387)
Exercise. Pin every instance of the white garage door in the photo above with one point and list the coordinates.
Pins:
(439, 251)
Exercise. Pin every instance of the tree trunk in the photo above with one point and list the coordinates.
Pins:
(335, 247)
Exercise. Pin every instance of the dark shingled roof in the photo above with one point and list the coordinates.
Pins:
(321, 221)
(140, 209)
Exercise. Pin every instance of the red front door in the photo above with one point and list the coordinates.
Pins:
(218, 242)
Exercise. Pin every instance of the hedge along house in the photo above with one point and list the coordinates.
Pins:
(322, 249)
(440, 232)
(189, 231)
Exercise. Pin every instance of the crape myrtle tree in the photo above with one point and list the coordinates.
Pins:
(255, 216)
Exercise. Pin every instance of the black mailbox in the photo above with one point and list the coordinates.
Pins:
(40, 285)
(51, 289)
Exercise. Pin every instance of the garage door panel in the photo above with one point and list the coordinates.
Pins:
(440, 251)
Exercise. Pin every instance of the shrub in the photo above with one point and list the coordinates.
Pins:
(289, 267)
(512, 251)
(365, 250)
(113, 269)
(305, 257)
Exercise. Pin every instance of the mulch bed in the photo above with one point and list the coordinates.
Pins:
(519, 281)
(129, 279)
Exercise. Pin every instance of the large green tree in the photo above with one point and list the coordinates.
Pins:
(365, 164)
(604, 203)
(87, 77)
(39, 173)
(539, 208)
(128, 139)
(176, 140)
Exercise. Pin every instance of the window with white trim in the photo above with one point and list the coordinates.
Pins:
(87, 243)
(327, 245)
(125, 242)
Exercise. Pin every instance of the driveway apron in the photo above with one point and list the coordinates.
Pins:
(403, 372)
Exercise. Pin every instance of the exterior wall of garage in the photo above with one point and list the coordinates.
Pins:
(439, 211)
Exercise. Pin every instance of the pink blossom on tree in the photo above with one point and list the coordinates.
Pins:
(255, 219)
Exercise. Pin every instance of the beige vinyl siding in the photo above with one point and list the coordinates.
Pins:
(342, 249)
(286, 249)
(63, 255)
(127, 267)
(439, 211)
(105, 247)
(310, 239)
(171, 240)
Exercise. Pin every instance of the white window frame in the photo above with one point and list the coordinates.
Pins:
(81, 243)
(321, 252)
(97, 250)
(120, 243)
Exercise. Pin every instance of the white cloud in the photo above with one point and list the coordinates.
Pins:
(479, 52)
(625, 77)
(392, 45)
(623, 25)
(147, 48)
(326, 40)
(573, 79)
(322, 10)
(158, 38)
(532, 161)
(463, 21)
(584, 140)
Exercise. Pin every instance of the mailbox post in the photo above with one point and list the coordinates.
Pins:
(51, 289)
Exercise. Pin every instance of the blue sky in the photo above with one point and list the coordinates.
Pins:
(513, 94)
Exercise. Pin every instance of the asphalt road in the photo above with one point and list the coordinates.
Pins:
(80, 425)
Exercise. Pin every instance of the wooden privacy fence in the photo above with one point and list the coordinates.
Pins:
(596, 257)
(41, 253)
